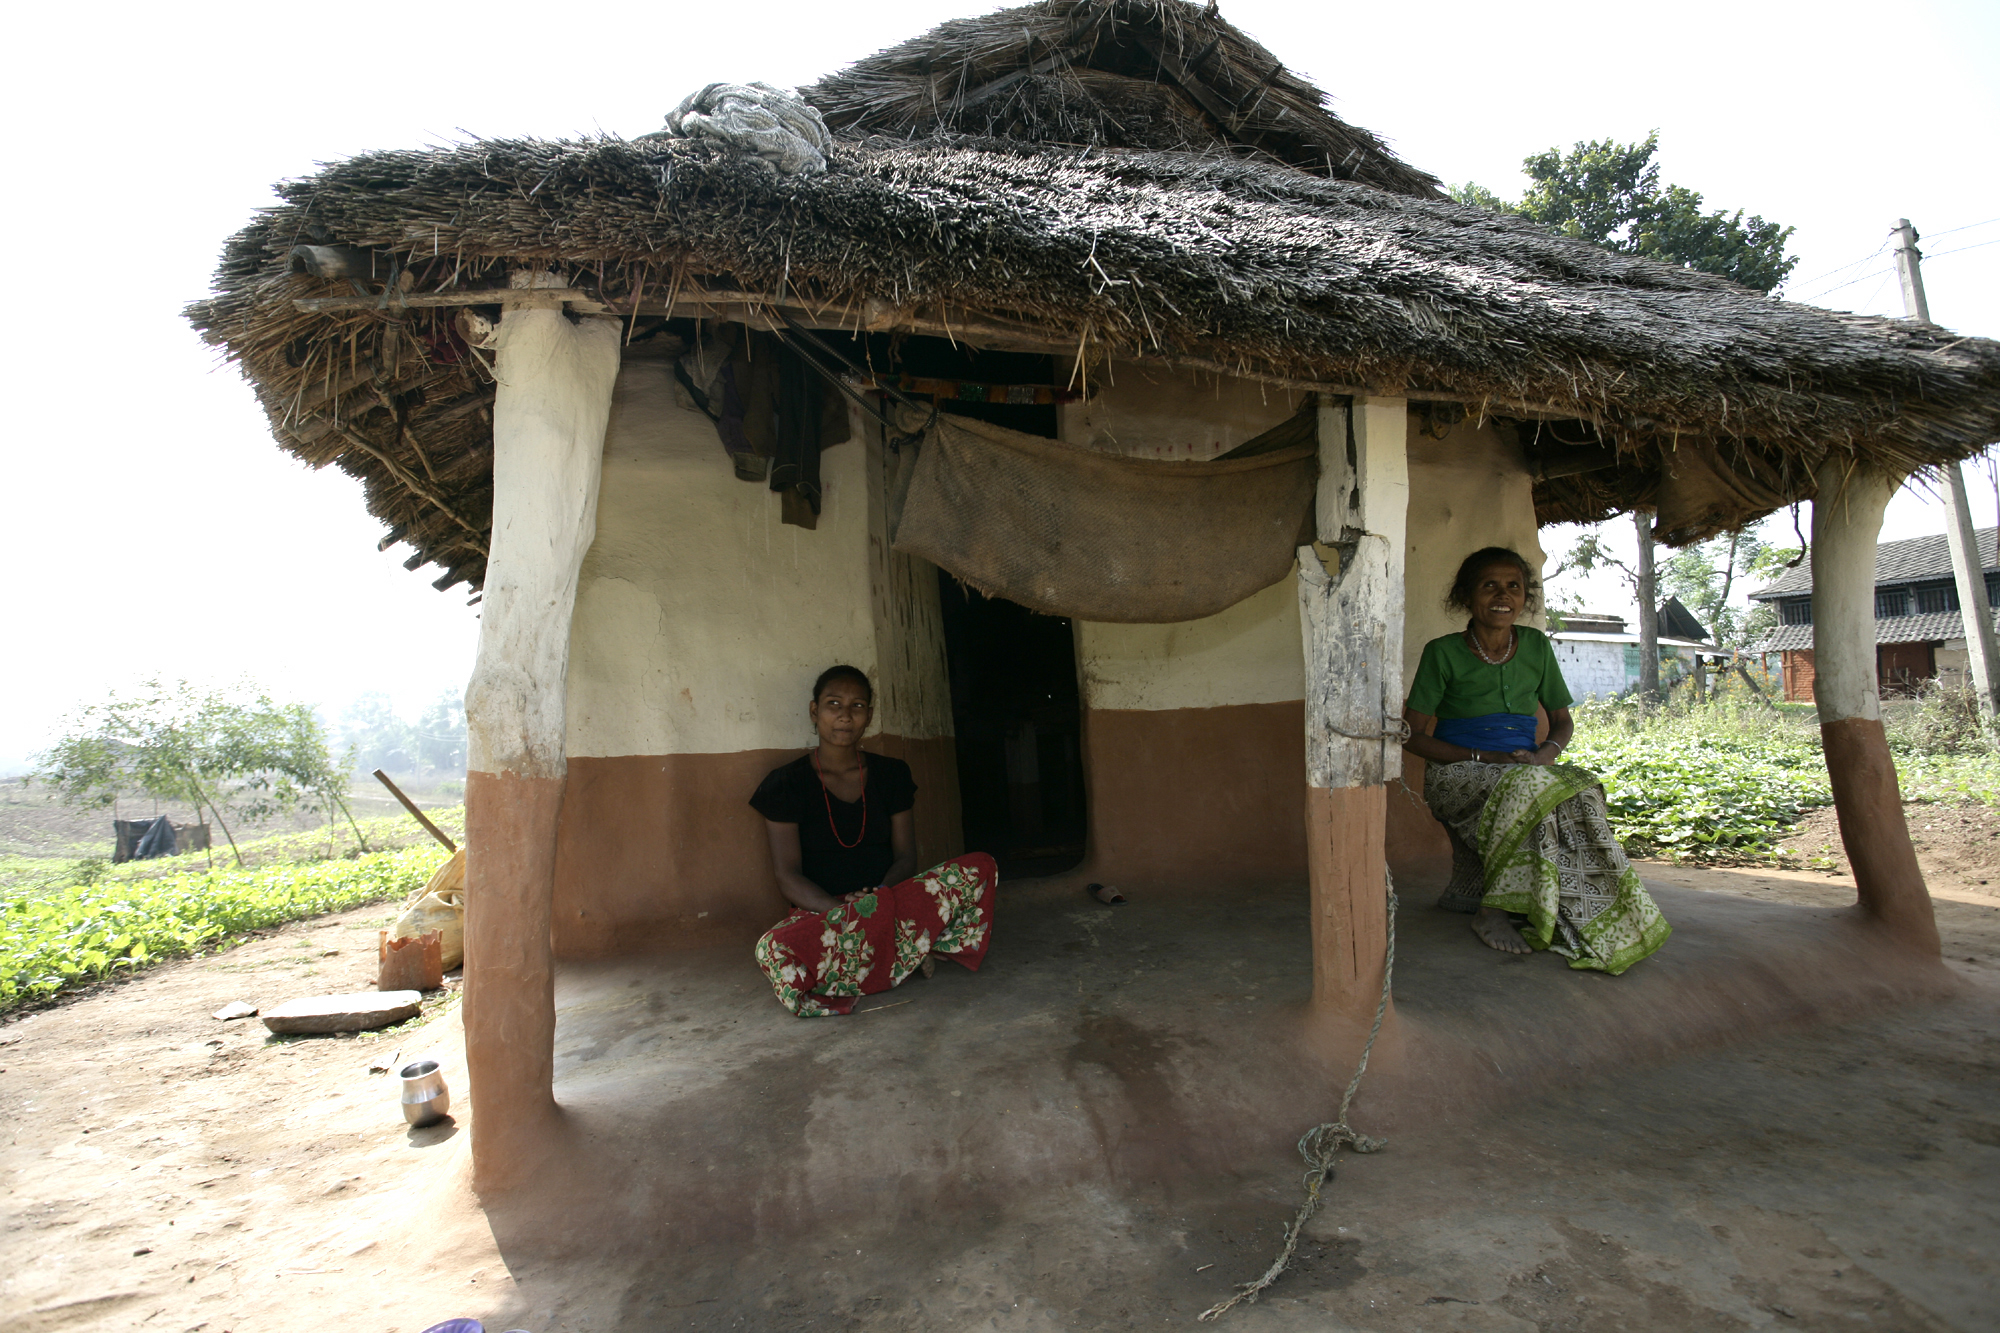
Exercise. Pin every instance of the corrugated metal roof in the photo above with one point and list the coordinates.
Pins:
(1911, 560)
(1934, 627)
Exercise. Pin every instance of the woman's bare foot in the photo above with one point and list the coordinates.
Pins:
(1496, 928)
(928, 967)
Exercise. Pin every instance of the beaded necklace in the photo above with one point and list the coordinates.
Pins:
(1513, 646)
(827, 796)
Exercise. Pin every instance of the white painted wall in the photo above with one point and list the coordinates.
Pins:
(1249, 654)
(702, 620)
(1592, 670)
(1846, 516)
(1467, 490)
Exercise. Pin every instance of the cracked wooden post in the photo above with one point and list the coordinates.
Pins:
(1351, 614)
(1847, 515)
(549, 415)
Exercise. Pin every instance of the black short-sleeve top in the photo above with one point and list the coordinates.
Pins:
(793, 794)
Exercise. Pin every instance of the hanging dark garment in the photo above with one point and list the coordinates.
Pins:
(795, 460)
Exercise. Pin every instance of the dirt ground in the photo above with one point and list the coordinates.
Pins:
(1957, 845)
(167, 1171)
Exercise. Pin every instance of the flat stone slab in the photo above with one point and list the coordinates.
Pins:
(344, 1013)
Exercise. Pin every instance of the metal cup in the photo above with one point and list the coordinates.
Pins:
(425, 1097)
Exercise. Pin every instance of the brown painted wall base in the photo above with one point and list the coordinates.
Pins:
(1349, 899)
(1874, 832)
(510, 1006)
(1416, 842)
(1188, 797)
(658, 851)
(1205, 796)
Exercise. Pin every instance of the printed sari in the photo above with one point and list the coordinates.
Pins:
(820, 963)
(1551, 856)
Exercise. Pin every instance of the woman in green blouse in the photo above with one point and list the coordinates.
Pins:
(1549, 852)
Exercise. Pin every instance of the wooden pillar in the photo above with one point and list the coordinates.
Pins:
(549, 415)
(1351, 614)
(1847, 515)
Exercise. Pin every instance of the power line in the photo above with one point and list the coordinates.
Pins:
(1821, 296)
(1835, 272)
(1956, 250)
(1967, 227)
(1878, 289)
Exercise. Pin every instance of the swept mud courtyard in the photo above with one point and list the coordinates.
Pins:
(168, 1171)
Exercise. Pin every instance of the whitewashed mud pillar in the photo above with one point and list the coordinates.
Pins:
(549, 414)
(1351, 613)
(1847, 515)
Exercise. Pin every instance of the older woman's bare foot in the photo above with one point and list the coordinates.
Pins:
(1496, 928)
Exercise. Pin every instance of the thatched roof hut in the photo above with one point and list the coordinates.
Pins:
(1110, 177)
(1313, 386)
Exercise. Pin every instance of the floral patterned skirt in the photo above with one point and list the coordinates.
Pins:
(820, 963)
(1551, 856)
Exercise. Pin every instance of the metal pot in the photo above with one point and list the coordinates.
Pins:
(425, 1097)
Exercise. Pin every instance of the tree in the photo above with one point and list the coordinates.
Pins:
(440, 735)
(228, 752)
(1609, 193)
(378, 738)
(1705, 576)
(1590, 555)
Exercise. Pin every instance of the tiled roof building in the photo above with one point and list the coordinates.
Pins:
(1919, 634)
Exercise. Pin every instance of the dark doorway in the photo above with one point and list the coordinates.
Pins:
(1015, 708)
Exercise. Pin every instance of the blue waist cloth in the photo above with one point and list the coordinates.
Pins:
(1501, 733)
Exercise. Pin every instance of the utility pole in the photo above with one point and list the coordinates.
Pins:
(1967, 568)
(1649, 611)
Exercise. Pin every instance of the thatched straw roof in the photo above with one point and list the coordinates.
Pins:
(1212, 255)
(1113, 73)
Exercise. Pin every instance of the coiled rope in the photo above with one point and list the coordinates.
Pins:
(1321, 1144)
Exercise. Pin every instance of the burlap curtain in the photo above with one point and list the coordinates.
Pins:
(1071, 532)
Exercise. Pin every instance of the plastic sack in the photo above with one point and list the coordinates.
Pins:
(439, 906)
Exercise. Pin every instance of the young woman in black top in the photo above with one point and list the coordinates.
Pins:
(840, 822)
(842, 830)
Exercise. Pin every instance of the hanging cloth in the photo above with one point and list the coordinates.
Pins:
(795, 456)
(1072, 532)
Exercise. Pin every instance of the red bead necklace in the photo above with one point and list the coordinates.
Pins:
(827, 796)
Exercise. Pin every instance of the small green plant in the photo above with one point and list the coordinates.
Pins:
(1727, 780)
(81, 933)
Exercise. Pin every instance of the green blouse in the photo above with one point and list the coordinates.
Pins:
(1453, 681)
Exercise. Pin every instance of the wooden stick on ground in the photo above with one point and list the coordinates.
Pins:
(411, 806)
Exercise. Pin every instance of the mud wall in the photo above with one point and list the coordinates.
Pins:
(1194, 733)
(701, 623)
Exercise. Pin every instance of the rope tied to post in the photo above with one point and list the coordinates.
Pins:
(1395, 729)
(1321, 1144)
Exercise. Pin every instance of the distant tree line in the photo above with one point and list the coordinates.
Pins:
(431, 748)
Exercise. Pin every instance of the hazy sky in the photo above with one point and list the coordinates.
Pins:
(154, 528)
